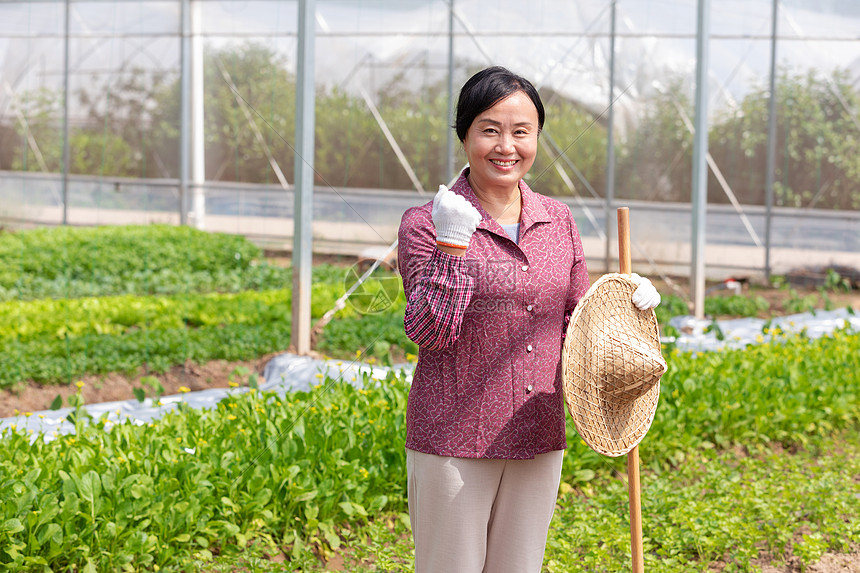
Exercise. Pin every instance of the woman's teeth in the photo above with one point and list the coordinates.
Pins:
(503, 163)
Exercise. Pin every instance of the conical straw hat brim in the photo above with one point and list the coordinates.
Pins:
(605, 321)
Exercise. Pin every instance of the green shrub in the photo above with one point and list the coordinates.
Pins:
(735, 305)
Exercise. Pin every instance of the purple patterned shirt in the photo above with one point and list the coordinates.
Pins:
(489, 329)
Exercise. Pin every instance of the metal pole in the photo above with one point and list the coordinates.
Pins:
(449, 156)
(304, 191)
(66, 148)
(610, 140)
(184, 110)
(700, 165)
(771, 143)
(198, 145)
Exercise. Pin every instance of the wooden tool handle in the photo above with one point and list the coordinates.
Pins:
(634, 491)
(624, 263)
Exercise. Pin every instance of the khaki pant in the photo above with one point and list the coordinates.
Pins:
(479, 515)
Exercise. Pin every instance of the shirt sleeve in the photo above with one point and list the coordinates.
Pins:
(437, 285)
(579, 282)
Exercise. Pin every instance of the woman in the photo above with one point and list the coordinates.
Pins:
(492, 272)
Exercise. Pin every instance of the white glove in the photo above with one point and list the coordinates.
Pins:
(645, 296)
(455, 218)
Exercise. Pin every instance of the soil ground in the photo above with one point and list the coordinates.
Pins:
(829, 563)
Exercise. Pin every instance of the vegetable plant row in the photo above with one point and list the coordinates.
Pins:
(54, 341)
(73, 262)
(278, 469)
(292, 471)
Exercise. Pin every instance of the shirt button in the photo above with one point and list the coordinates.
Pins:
(529, 348)
(529, 388)
(525, 267)
(529, 308)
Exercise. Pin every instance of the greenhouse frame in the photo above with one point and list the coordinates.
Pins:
(310, 126)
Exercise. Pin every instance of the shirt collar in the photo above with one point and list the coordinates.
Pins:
(533, 210)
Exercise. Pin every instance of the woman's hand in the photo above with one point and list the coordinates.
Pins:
(455, 220)
(645, 296)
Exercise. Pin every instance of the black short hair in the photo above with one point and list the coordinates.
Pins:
(483, 90)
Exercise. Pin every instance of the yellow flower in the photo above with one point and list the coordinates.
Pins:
(233, 384)
(231, 417)
(179, 439)
(319, 375)
(232, 404)
(79, 383)
(13, 426)
(184, 389)
(28, 414)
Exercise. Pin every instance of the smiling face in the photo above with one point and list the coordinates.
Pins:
(501, 144)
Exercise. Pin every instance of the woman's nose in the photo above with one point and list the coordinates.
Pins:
(505, 144)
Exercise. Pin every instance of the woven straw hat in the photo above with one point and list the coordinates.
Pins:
(612, 365)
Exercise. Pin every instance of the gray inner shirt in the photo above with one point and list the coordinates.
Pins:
(513, 231)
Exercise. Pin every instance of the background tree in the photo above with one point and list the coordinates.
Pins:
(131, 128)
(655, 161)
(233, 152)
(583, 141)
(817, 142)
